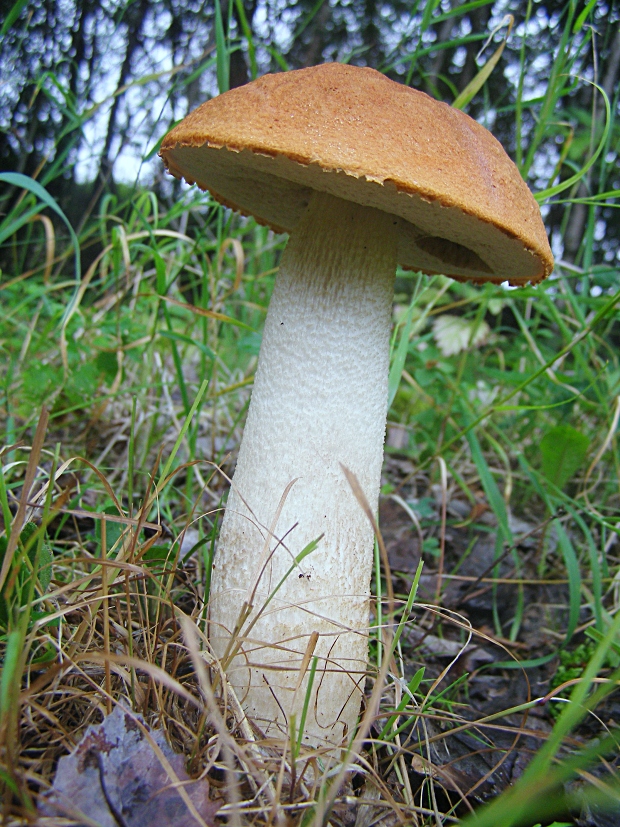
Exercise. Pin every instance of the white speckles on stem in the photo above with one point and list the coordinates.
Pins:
(319, 399)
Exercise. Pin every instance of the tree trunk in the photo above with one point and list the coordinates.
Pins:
(134, 32)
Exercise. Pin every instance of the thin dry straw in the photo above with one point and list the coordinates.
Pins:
(106, 615)
(20, 517)
(191, 641)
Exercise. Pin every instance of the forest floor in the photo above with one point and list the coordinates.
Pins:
(469, 743)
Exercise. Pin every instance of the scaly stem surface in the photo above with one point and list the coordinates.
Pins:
(319, 400)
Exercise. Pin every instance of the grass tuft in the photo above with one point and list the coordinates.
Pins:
(492, 698)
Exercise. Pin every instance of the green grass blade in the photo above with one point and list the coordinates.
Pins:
(10, 679)
(574, 579)
(188, 419)
(412, 687)
(400, 357)
(602, 313)
(17, 179)
(540, 779)
(595, 568)
(306, 706)
(10, 226)
(545, 194)
(477, 82)
(579, 23)
(12, 16)
(222, 51)
(247, 33)
(408, 605)
(496, 501)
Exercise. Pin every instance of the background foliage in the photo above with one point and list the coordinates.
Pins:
(87, 90)
(131, 310)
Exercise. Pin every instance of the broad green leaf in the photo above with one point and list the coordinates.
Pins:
(113, 529)
(563, 450)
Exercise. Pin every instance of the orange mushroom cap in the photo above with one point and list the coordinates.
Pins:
(463, 207)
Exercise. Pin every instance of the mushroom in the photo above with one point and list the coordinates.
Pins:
(363, 173)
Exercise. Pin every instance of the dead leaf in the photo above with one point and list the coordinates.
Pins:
(115, 778)
(454, 334)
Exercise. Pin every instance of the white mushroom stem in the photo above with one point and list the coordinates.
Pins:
(319, 400)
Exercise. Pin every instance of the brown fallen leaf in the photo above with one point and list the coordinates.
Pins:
(116, 778)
